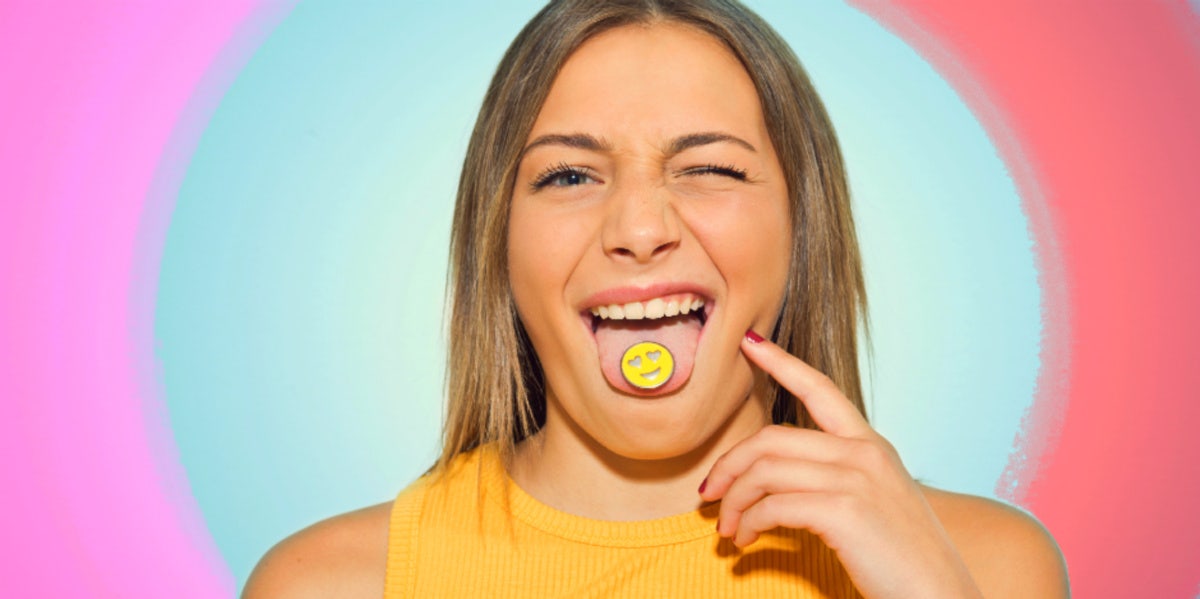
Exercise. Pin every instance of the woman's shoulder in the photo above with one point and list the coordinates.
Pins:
(346, 555)
(343, 556)
(1008, 551)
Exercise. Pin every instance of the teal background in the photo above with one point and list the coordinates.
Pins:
(299, 315)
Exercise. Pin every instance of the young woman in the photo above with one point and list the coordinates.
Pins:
(653, 385)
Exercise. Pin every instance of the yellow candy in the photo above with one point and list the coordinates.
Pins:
(647, 365)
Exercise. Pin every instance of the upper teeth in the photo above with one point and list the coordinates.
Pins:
(659, 307)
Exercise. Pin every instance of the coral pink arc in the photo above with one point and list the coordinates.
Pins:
(1093, 107)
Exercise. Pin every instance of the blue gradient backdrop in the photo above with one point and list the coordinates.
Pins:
(299, 317)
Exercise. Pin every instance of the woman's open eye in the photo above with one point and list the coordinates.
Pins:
(562, 175)
(727, 170)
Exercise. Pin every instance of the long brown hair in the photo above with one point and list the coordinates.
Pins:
(495, 383)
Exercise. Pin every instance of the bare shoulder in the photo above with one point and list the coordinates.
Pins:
(1008, 551)
(344, 556)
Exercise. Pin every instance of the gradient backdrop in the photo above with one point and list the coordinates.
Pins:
(224, 231)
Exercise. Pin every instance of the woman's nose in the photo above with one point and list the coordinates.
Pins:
(641, 226)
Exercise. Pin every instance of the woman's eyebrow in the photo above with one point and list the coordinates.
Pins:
(691, 140)
(582, 141)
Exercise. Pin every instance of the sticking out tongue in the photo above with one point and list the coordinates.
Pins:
(678, 335)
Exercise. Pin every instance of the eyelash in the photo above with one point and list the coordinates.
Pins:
(561, 169)
(727, 170)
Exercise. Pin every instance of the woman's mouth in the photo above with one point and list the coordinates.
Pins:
(648, 348)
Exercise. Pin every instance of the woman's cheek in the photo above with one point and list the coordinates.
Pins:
(544, 244)
(743, 232)
(524, 237)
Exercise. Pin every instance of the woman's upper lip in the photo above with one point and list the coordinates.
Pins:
(625, 295)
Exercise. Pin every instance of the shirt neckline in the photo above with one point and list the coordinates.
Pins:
(669, 530)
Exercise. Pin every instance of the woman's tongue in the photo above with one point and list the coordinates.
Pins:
(679, 334)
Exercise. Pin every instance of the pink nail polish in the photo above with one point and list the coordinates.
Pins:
(754, 337)
(703, 483)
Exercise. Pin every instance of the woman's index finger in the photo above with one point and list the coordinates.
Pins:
(828, 406)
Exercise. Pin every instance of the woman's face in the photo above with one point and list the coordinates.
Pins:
(649, 183)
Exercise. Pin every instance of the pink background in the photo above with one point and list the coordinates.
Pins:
(1093, 107)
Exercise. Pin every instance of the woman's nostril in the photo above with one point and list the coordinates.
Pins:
(645, 246)
(666, 246)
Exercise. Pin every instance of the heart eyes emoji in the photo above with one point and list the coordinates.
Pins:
(647, 365)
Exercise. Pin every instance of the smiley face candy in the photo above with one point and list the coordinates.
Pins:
(647, 365)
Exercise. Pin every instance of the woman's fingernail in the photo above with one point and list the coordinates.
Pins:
(703, 483)
(754, 337)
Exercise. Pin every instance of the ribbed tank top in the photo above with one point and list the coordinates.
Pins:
(475, 533)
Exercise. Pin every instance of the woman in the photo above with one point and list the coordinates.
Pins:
(652, 191)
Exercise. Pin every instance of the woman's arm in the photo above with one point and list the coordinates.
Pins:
(1009, 553)
(344, 556)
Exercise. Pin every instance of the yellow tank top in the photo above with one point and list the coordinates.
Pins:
(474, 533)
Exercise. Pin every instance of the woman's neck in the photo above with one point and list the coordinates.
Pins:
(567, 469)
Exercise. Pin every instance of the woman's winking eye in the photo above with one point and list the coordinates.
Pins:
(727, 170)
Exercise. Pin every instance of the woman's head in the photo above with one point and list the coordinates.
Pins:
(769, 241)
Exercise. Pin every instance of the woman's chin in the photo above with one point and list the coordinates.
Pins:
(663, 427)
(652, 449)
(666, 437)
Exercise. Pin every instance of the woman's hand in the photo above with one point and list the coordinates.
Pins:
(844, 483)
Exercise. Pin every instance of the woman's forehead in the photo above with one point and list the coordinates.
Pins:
(659, 81)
